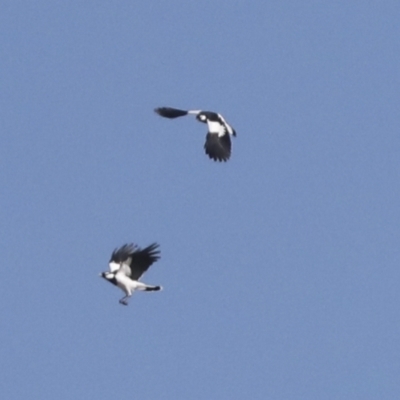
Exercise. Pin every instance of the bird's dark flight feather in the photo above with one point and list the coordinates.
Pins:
(137, 259)
(217, 147)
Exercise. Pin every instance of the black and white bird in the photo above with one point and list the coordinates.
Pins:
(127, 265)
(218, 141)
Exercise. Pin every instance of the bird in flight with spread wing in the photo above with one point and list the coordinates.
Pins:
(127, 264)
(218, 141)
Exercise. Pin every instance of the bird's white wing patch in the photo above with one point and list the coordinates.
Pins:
(114, 266)
(216, 127)
(125, 269)
(228, 127)
(195, 112)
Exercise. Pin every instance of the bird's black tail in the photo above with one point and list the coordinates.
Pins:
(153, 288)
(169, 112)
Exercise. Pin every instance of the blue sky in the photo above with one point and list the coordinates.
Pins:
(280, 268)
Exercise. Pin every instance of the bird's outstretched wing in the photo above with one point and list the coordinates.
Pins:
(218, 147)
(132, 260)
(169, 112)
(142, 259)
(121, 255)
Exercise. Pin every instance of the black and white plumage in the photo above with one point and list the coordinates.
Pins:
(218, 141)
(127, 264)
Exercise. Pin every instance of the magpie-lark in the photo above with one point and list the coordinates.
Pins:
(127, 265)
(218, 141)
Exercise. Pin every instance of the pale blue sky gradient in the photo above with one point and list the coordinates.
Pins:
(280, 268)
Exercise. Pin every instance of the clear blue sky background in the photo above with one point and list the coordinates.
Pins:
(280, 268)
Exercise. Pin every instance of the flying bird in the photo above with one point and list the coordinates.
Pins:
(218, 141)
(127, 265)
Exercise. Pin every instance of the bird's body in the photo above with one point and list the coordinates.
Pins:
(218, 142)
(127, 265)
